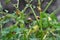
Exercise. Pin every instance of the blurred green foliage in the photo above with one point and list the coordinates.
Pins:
(45, 28)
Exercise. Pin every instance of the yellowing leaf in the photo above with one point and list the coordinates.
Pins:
(35, 28)
(17, 11)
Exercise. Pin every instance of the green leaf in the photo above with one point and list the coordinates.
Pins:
(53, 16)
(45, 23)
(7, 1)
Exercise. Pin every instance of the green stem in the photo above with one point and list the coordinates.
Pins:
(41, 26)
(27, 5)
(55, 11)
(1, 30)
(39, 23)
(34, 14)
(17, 3)
(41, 20)
(39, 3)
(48, 5)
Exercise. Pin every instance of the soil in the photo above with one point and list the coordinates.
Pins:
(22, 4)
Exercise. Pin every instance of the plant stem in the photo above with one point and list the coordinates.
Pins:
(25, 8)
(41, 20)
(39, 3)
(17, 4)
(55, 11)
(48, 5)
(34, 14)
